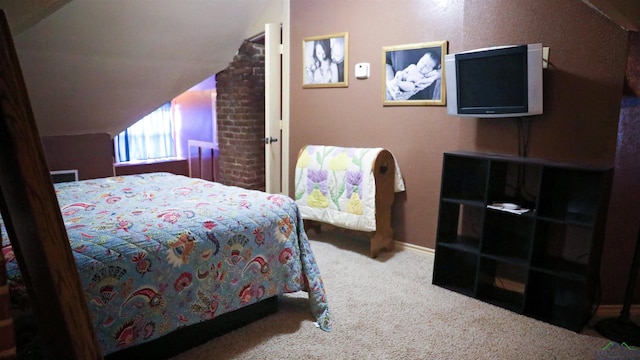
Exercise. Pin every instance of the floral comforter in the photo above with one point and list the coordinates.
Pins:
(159, 251)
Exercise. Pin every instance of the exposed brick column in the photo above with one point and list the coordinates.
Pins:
(240, 113)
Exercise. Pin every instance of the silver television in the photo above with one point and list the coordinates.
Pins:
(500, 81)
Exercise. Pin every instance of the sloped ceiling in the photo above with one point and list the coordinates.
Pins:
(625, 13)
(94, 66)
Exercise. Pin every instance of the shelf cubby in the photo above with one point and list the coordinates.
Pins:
(463, 225)
(557, 300)
(508, 235)
(466, 178)
(456, 270)
(514, 183)
(502, 283)
(572, 194)
(562, 248)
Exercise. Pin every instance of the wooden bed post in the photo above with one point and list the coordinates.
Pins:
(31, 214)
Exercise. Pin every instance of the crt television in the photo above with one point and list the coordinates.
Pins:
(500, 81)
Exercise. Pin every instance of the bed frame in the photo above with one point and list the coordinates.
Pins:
(30, 211)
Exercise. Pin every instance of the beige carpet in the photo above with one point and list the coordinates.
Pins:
(386, 308)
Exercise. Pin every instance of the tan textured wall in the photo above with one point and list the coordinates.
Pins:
(582, 89)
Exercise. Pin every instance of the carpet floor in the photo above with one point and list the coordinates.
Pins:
(387, 308)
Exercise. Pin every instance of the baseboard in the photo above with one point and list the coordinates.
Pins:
(415, 248)
(613, 310)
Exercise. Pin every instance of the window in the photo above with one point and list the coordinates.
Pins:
(152, 137)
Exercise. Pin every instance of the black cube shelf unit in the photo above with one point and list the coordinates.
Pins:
(543, 263)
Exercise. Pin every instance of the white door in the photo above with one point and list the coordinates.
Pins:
(273, 109)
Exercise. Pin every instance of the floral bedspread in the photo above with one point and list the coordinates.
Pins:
(159, 251)
(336, 185)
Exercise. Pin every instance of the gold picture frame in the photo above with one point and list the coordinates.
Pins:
(413, 74)
(325, 61)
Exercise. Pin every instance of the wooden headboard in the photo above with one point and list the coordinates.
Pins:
(31, 215)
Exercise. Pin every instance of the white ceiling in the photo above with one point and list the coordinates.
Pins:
(95, 66)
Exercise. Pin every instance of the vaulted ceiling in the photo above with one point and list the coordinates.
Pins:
(95, 66)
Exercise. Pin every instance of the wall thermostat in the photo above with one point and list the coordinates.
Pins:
(362, 70)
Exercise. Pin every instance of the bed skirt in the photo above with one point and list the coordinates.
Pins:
(191, 336)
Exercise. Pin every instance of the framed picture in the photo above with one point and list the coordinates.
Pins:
(325, 61)
(413, 74)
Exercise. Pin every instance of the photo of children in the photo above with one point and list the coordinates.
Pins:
(414, 73)
(325, 59)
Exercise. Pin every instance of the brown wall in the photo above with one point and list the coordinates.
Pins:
(582, 89)
(90, 154)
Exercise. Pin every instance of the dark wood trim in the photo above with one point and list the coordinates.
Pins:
(31, 214)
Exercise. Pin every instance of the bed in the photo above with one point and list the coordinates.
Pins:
(158, 252)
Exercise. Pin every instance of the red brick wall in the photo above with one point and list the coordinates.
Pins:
(240, 108)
